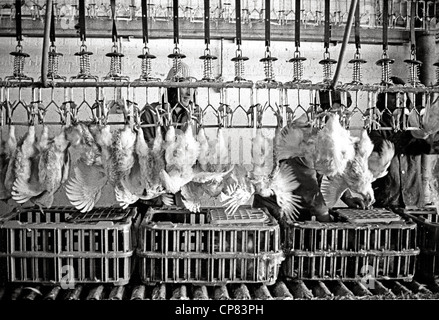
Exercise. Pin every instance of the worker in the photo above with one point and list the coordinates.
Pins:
(181, 103)
(402, 186)
(312, 202)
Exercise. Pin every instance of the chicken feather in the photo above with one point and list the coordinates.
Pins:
(84, 187)
(275, 179)
(427, 120)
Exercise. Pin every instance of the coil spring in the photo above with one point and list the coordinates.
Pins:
(268, 69)
(327, 71)
(268, 65)
(19, 66)
(207, 69)
(177, 67)
(386, 71)
(327, 63)
(238, 61)
(239, 69)
(414, 72)
(53, 63)
(146, 67)
(115, 65)
(297, 69)
(84, 64)
(437, 72)
(356, 72)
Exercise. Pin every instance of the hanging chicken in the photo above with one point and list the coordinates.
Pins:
(181, 153)
(157, 157)
(24, 159)
(329, 149)
(210, 171)
(266, 178)
(90, 169)
(144, 180)
(342, 159)
(427, 120)
(360, 172)
(7, 155)
(121, 162)
(53, 165)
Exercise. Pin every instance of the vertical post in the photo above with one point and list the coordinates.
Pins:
(46, 43)
(346, 36)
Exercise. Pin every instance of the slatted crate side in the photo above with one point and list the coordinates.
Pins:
(350, 265)
(174, 248)
(29, 232)
(346, 236)
(427, 220)
(173, 231)
(38, 247)
(210, 270)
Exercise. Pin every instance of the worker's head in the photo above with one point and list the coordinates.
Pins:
(183, 95)
(336, 100)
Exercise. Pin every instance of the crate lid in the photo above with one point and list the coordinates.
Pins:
(377, 215)
(99, 214)
(244, 215)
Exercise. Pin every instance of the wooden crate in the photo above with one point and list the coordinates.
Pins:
(62, 245)
(427, 220)
(347, 250)
(209, 247)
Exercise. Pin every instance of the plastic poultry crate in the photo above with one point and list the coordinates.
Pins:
(427, 219)
(347, 250)
(64, 246)
(209, 247)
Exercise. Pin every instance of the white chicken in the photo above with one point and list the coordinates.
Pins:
(141, 182)
(24, 159)
(341, 158)
(158, 164)
(121, 162)
(90, 173)
(360, 172)
(7, 154)
(427, 120)
(52, 173)
(266, 179)
(209, 172)
(329, 149)
(181, 153)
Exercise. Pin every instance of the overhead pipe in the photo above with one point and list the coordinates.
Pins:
(46, 43)
(346, 36)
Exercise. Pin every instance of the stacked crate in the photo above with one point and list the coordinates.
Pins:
(64, 246)
(427, 220)
(359, 244)
(209, 247)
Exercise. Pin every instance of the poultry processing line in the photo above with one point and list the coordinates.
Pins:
(301, 262)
